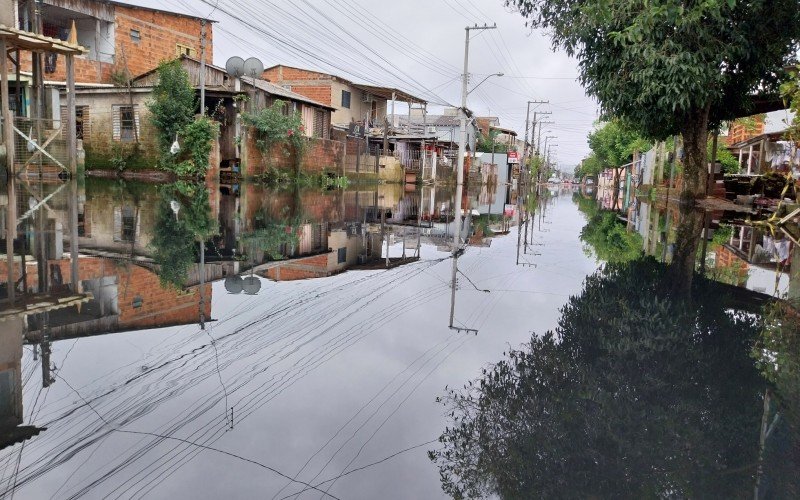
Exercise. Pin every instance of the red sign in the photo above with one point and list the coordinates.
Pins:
(513, 157)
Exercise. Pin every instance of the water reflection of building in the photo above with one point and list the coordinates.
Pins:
(117, 284)
(11, 410)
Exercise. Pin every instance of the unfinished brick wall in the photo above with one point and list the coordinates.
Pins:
(159, 34)
(300, 269)
(316, 86)
(743, 130)
(320, 155)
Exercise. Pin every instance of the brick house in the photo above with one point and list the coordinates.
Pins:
(355, 104)
(121, 39)
(113, 119)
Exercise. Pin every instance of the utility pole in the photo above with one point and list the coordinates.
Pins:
(527, 123)
(462, 149)
(539, 140)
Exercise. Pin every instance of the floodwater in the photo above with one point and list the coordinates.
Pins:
(311, 353)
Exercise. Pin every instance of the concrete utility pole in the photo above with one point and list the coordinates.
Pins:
(527, 123)
(462, 149)
(539, 139)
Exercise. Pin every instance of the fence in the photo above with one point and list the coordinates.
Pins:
(39, 145)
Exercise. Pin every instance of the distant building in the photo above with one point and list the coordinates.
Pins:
(113, 119)
(356, 105)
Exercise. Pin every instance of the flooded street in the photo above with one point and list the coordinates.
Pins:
(322, 380)
(409, 250)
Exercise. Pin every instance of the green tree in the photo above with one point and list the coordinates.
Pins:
(590, 166)
(173, 104)
(488, 143)
(672, 67)
(614, 143)
(634, 395)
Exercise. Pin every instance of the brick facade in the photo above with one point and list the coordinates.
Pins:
(740, 131)
(159, 306)
(321, 155)
(300, 269)
(159, 33)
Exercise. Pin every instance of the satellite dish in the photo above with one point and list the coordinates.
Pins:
(235, 66)
(234, 284)
(253, 67)
(251, 285)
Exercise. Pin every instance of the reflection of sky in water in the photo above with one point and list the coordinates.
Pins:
(324, 375)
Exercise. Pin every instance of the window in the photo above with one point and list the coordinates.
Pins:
(124, 224)
(136, 36)
(184, 50)
(81, 121)
(319, 123)
(125, 123)
(342, 255)
(345, 99)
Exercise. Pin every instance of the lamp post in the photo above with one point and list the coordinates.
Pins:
(462, 148)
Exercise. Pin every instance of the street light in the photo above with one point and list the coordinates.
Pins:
(481, 82)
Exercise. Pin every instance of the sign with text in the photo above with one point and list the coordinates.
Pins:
(513, 157)
(509, 210)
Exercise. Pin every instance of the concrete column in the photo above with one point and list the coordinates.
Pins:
(750, 159)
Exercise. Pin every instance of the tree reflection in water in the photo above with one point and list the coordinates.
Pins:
(175, 235)
(635, 394)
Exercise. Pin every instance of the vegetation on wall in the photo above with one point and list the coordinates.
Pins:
(275, 127)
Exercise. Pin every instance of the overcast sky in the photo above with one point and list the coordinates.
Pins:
(414, 45)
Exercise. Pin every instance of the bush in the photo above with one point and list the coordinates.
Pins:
(274, 127)
(174, 104)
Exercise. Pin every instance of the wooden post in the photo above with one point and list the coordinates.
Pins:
(73, 235)
(72, 140)
(5, 111)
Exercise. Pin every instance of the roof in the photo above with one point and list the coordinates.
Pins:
(432, 120)
(502, 130)
(383, 92)
(771, 136)
(264, 85)
(32, 41)
(151, 9)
